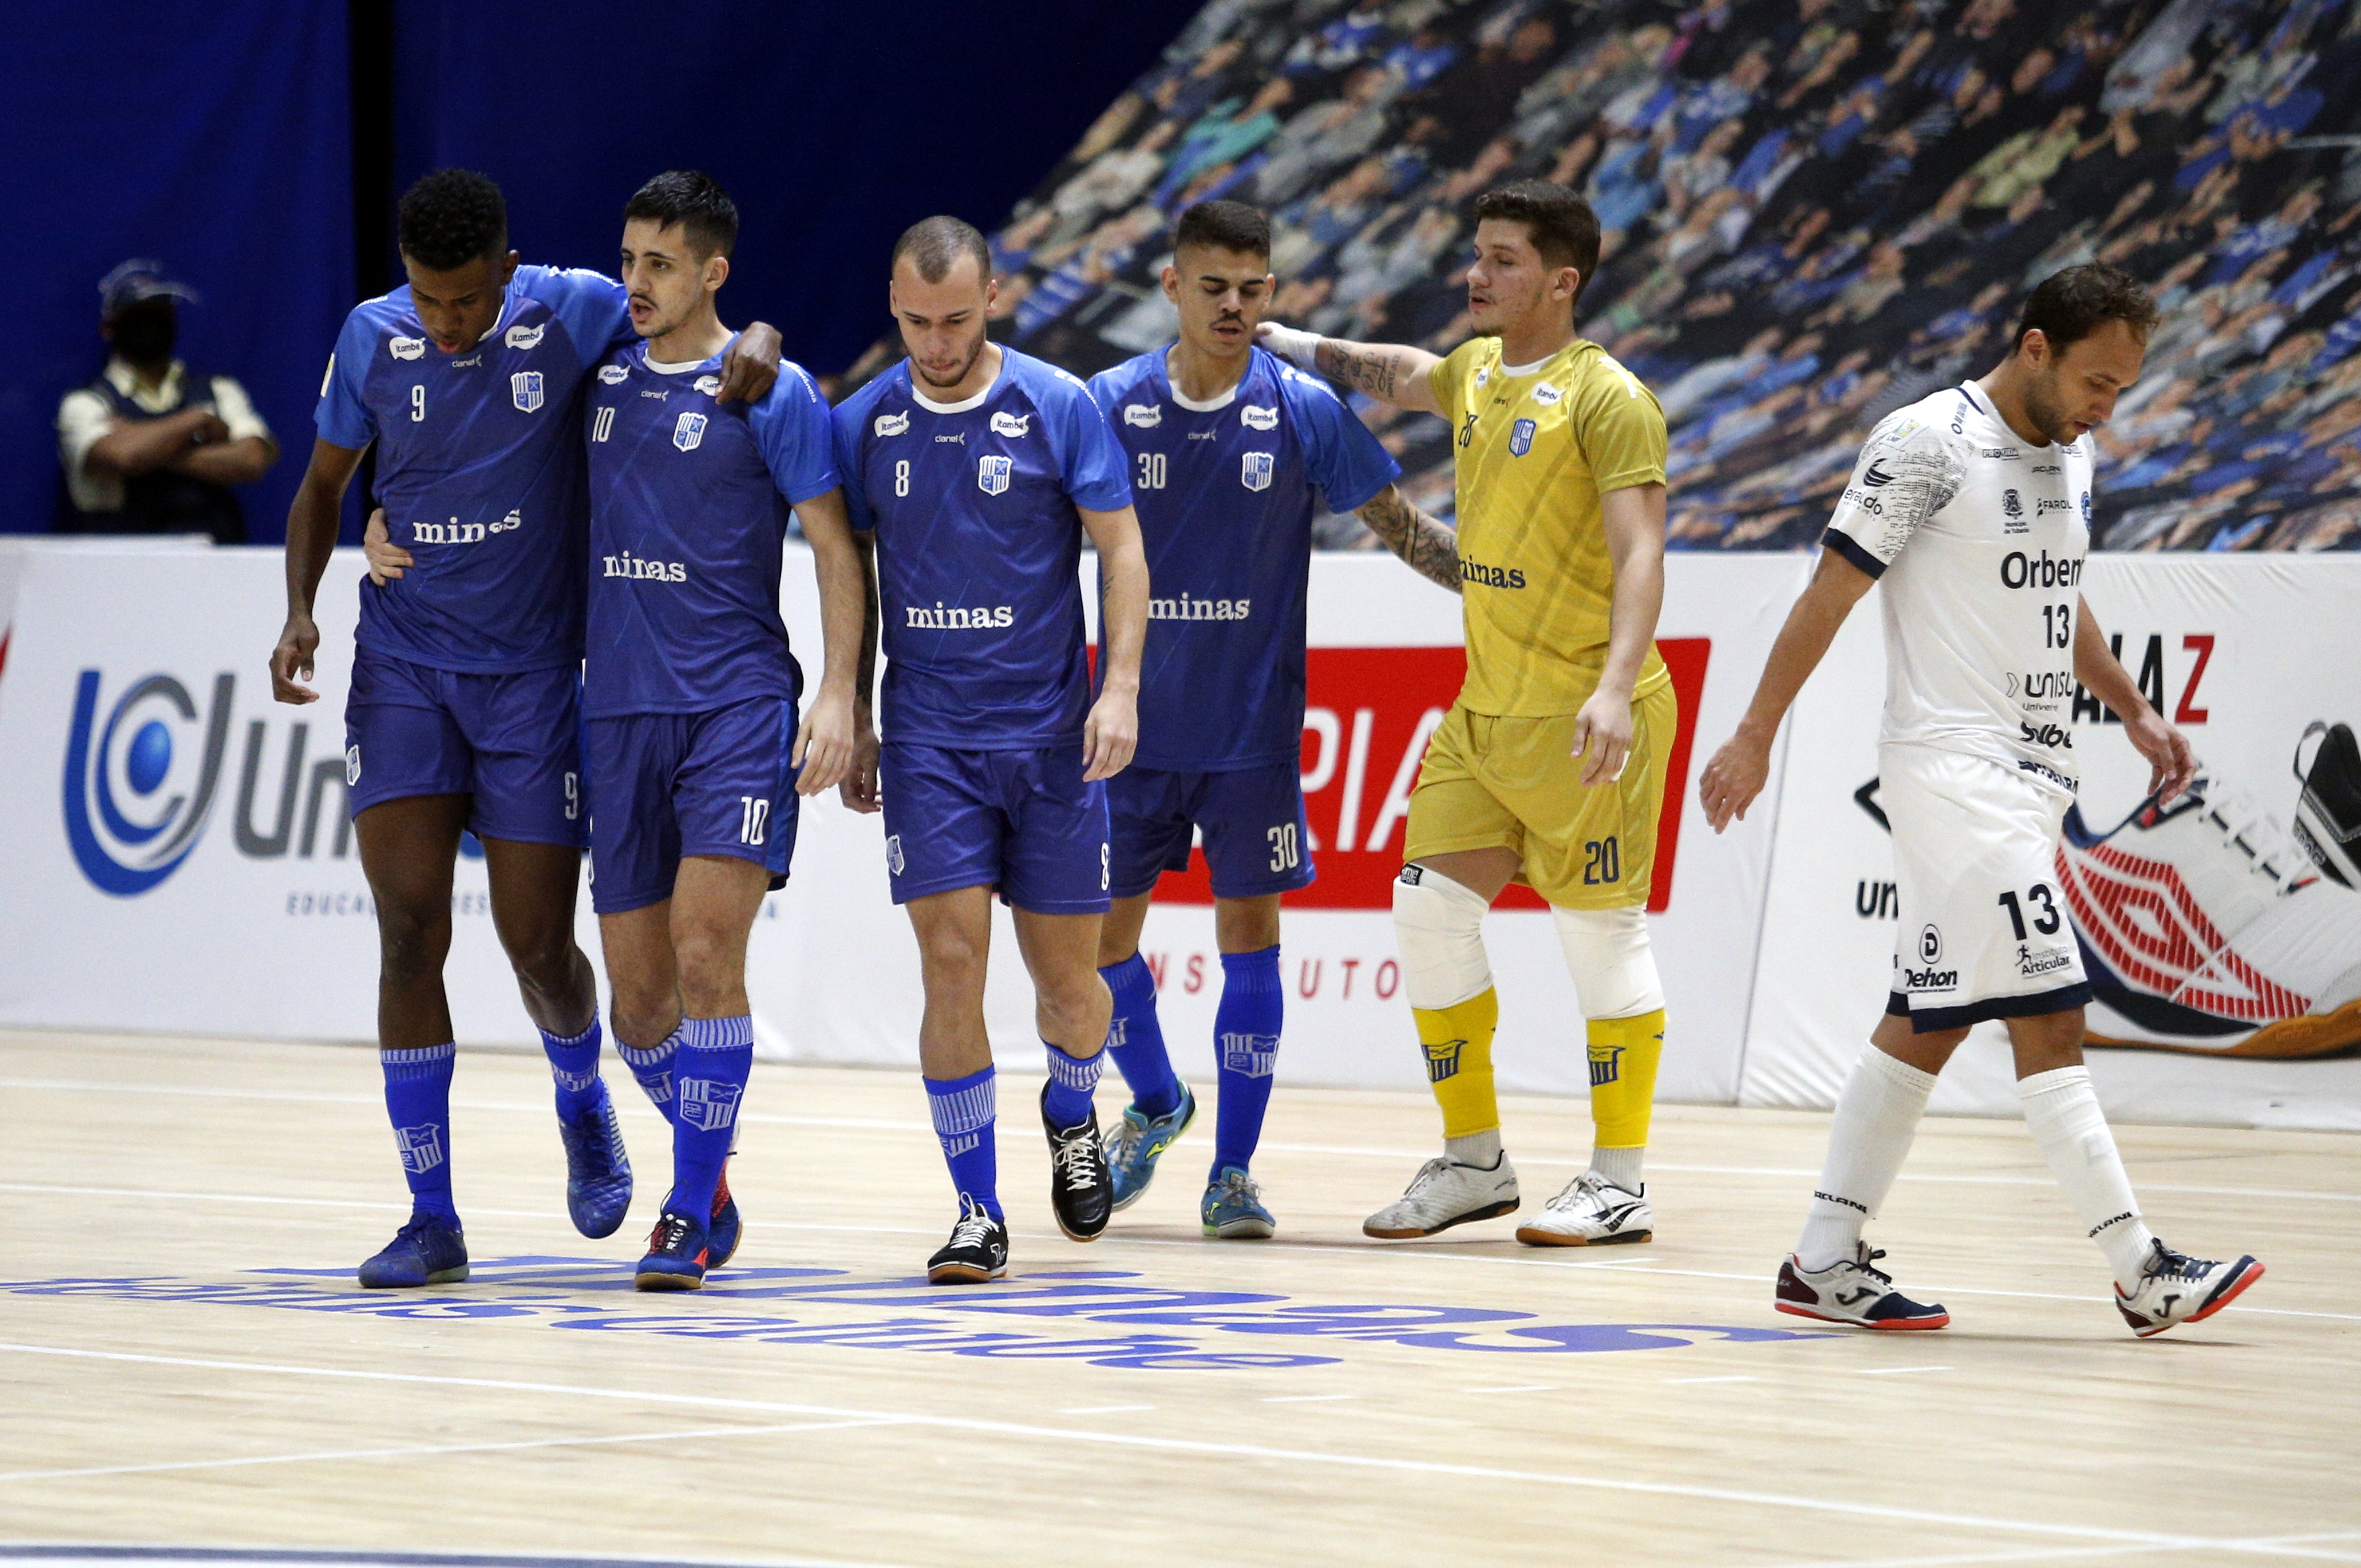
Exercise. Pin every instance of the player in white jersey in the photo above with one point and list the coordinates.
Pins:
(1971, 508)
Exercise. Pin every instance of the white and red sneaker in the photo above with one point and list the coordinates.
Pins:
(2205, 927)
(2175, 1289)
(1852, 1290)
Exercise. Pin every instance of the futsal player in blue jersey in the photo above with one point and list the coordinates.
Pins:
(978, 471)
(1234, 452)
(464, 712)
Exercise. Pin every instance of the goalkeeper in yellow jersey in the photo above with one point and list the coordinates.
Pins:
(1550, 768)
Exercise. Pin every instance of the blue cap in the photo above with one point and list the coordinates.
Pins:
(139, 279)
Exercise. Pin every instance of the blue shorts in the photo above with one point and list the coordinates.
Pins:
(514, 743)
(1253, 822)
(1021, 821)
(667, 784)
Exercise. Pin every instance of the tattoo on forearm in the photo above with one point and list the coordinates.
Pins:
(1426, 546)
(1371, 370)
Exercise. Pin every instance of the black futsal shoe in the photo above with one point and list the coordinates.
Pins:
(1081, 1193)
(977, 1251)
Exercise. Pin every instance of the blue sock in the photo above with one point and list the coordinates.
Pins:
(418, 1101)
(651, 1068)
(1245, 1031)
(962, 1110)
(1071, 1078)
(1137, 1038)
(575, 1065)
(708, 1080)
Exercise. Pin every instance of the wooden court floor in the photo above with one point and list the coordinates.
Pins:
(187, 1362)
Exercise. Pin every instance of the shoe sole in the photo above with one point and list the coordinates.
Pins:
(439, 1277)
(1943, 1322)
(1141, 1190)
(962, 1274)
(2287, 1039)
(1075, 1235)
(1534, 1236)
(2230, 1293)
(1241, 1231)
(1491, 1211)
(667, 1282)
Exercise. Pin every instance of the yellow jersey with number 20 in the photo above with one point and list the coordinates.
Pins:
(1534, 452)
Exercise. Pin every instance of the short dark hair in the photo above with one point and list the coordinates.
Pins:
(1225, 225)
(451, 217)
(695, 202)
(934, 244)
(1564, 228)
(2069, 306)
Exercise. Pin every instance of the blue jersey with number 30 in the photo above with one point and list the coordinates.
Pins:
(979, 550)
(1226, 493)
(478, 469)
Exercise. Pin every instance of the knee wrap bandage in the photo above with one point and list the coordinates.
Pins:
(1439, 926)
(1608, 954)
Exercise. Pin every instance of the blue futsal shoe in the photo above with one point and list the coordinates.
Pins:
(723, 1230)
(597, 1171)
(1232, 1208)
(1135, 1143)
(429, 1250)
(676, 1253)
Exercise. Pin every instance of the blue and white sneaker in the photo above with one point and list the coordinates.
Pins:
(1135, 1143)
(676, 1253)
(597, 1171)
(429, 1250)
(1232, 1208)
(724, 1227)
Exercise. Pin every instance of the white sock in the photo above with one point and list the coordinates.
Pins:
(1877, 1116)
(1477, 1148)
(2061, 1111)
(1621, 1167)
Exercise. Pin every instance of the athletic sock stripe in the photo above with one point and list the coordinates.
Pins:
(963, 1111)
(1078, 1073)
(717, 1034)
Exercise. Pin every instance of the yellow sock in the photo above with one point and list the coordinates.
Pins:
(1623, 1055)
(1458, 1041)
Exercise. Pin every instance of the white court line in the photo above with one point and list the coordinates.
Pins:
(1424, 1253)
(1304, 1398)
(450, 1448)
(1519, 1388)
(1100, 1438)
(1735, 1377)
(100, 1086)
(1898, 1371)
(1102, 1409)
(1948, 1560)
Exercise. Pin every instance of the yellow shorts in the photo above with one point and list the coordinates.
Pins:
(1515, 783)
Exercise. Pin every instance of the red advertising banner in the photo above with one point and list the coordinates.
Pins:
(1367, 715)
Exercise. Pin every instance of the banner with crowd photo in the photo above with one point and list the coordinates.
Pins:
(2221, 932)
(180, 857)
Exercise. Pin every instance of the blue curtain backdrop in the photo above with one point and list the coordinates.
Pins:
(834, 124)
(214, 138)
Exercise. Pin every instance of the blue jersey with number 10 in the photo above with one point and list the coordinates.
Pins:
(979, 550)
(1226, 494)
(478, 469)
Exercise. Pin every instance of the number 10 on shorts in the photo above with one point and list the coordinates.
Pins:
(753, 816)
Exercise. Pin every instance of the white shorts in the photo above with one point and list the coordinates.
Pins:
(1983, 929)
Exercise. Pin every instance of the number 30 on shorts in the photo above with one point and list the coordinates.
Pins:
(2045, 918)
(1286, 848)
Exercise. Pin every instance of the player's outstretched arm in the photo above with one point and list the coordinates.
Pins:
(1391, 372)
(1633, 518)
(859, 789)
(750, 365)
(826, 741)
(2172, 765)
(1739, 770)
(1111, 735)
(310, 538)
(1426, 546)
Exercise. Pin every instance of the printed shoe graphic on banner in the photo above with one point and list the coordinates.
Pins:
(2328, 810)
(2204, 929)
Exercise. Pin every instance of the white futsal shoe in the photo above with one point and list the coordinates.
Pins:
(1591, 1211)
(2206, 927)
(2175, 1289)
(1445, 1193)
(1852, 1290)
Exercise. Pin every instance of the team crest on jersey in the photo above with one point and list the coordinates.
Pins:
(2086, 508)
(1253, 418)
(1005, 423)
(891, 424)
(406, 347)
(1521, 437)
(1483, 374)
(2010, 506)
(613, 375)
(1147, 416)
(524, 390)
(1548, 396)
(991, 475)
(688, 431)
(1254, 473)
(524, 336)
(708, 384)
